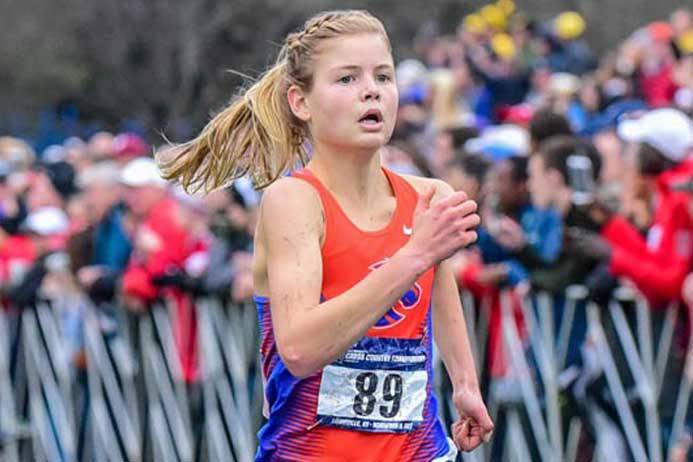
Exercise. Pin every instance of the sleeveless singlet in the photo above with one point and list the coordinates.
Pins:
(375, 403)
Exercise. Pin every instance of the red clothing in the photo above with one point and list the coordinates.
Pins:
(163, 222)
(17, 254)
(488, 297)
(659, 88)
(658, 264)
(177, 245)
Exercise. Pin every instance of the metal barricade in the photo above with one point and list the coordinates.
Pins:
(169, 418)
(114, 416)
(645, 359)
(10, 428)
(225, 360)
(49, 379)
(139, 405)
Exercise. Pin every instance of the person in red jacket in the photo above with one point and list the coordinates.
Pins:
(156, 227)
(161, 245)
(658, 262)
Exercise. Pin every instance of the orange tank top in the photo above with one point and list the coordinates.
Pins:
(376, 402)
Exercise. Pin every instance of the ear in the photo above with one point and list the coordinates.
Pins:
(297, 102)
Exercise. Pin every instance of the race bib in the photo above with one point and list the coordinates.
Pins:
(379, 385)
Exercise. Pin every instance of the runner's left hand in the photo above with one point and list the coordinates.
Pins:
(475, 425)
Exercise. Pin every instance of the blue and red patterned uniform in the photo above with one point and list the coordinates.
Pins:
(375, 403)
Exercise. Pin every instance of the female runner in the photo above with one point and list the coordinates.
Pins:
(350, 271)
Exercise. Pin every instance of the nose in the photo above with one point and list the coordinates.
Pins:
(370, 90)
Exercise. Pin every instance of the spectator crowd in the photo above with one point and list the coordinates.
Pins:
(581, 163)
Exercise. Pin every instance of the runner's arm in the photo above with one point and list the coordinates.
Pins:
(450, 330)
(450, 333)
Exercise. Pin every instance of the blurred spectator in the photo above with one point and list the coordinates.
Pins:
(127, 146)
(401, 157)
(77, 153)
(100, 146)
(51, 184)
(100, 252)
(682, 74)
(498, 142)
(681, 21)
(447, 112)
(505, 83)
(46, 228)
(467, 172)
(509, 223)
(12, 205)
(552, 184)
(48, 278)
(230, 251)
(227, 235)
(540, 77)
(657, 65)
(570, 52)
(156, 223)
(656, 264)
(161, 246)
(16, 157)
(545, 124)
(16, 152)
(515, 226)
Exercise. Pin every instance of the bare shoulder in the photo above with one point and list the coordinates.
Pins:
(290, 199)
(290, 218)
(421, 183)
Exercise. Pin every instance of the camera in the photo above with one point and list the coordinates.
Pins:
(581, 179)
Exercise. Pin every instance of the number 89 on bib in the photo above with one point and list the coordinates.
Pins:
(375, 400)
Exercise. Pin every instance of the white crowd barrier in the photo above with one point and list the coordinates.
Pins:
(130, 401)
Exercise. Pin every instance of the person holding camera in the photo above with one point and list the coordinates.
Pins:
(561, 177)
(657, 263)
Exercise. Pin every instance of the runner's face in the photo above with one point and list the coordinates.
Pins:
(353, 101)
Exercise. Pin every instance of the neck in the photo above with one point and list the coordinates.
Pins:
(355, 176)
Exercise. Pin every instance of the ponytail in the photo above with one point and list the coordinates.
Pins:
(256, 135)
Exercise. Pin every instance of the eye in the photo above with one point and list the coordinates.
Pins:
(384, 78)
(346, 79)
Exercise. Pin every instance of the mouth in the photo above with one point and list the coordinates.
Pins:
(373, 118)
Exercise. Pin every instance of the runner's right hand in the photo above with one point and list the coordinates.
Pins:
(442, 227)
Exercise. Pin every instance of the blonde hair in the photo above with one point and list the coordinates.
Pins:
(257, 134)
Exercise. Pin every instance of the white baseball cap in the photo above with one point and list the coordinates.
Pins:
(46, 221)
(507, 137)
(667, 130)
(142, 171)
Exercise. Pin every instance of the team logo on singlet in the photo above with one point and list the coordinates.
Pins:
(396, 314)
